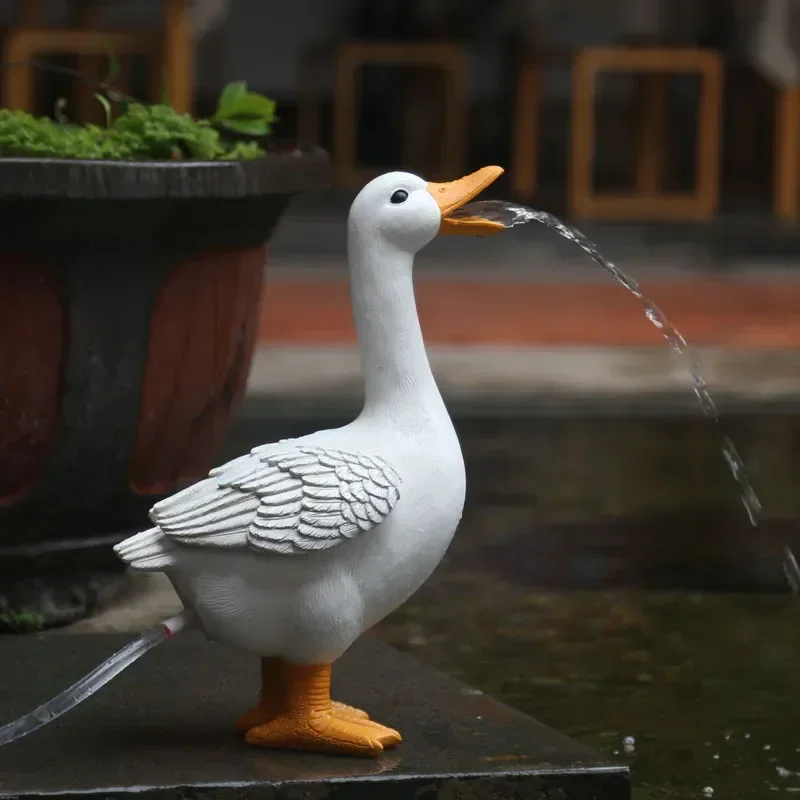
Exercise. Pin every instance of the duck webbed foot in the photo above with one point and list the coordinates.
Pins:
(348, 712)
(309, 720)
(273, 691)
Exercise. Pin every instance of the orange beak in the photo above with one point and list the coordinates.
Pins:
(451, 196)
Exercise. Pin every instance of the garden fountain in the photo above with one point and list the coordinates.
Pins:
(377, 502)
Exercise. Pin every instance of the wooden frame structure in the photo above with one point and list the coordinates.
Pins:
(525, 138)
(171, 48)
(350, 57)
(787, 155)
(648, 201)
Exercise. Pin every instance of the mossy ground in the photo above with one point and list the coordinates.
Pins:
(20, 622)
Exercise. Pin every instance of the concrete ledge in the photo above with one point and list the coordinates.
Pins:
(308, 378)
(162, 730)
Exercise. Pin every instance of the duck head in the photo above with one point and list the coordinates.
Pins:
(407, 212)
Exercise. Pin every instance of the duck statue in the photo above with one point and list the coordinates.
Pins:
(292, 551)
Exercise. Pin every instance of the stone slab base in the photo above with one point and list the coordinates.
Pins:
(163, 730)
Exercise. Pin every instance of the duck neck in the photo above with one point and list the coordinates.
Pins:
(397, 374)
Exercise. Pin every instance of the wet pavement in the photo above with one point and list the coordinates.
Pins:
(692, 690)
(696, 692)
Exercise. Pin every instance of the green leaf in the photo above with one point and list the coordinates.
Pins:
(249, 105)
(229, 96)
(106, 107)
(251, 126)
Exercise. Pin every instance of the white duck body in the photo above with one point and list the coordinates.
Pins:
(309, 609)
(295, 589)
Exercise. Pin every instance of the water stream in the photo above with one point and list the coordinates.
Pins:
(511, 215)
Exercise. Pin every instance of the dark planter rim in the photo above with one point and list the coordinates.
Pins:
(61, 178)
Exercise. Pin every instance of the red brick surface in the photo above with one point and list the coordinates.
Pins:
(707, 312)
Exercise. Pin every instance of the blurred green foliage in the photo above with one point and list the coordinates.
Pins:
(144, 132)
(20, 622)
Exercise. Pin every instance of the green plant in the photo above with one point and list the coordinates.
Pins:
(20, 622)
(144, 132)
(244, 112)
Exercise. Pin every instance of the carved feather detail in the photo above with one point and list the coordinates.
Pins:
(283, 499)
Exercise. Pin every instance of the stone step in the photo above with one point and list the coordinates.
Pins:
(162, 730)
(294, 379)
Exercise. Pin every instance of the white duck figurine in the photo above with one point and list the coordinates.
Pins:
(292, 551)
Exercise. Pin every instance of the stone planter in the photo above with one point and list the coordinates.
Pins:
(129, 300)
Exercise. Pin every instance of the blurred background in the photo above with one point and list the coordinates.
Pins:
(669, 132)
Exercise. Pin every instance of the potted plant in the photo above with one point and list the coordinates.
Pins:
(131, 265)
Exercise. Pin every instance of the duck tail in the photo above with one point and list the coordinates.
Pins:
(96, 679)
(148, 551)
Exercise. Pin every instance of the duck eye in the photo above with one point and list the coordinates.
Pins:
(400, 196)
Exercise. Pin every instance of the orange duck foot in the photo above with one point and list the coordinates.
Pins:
(308, 720)
(324, 733)
(262, 714)
(273, 689)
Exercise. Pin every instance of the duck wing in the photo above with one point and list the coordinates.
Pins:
(283, 499)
